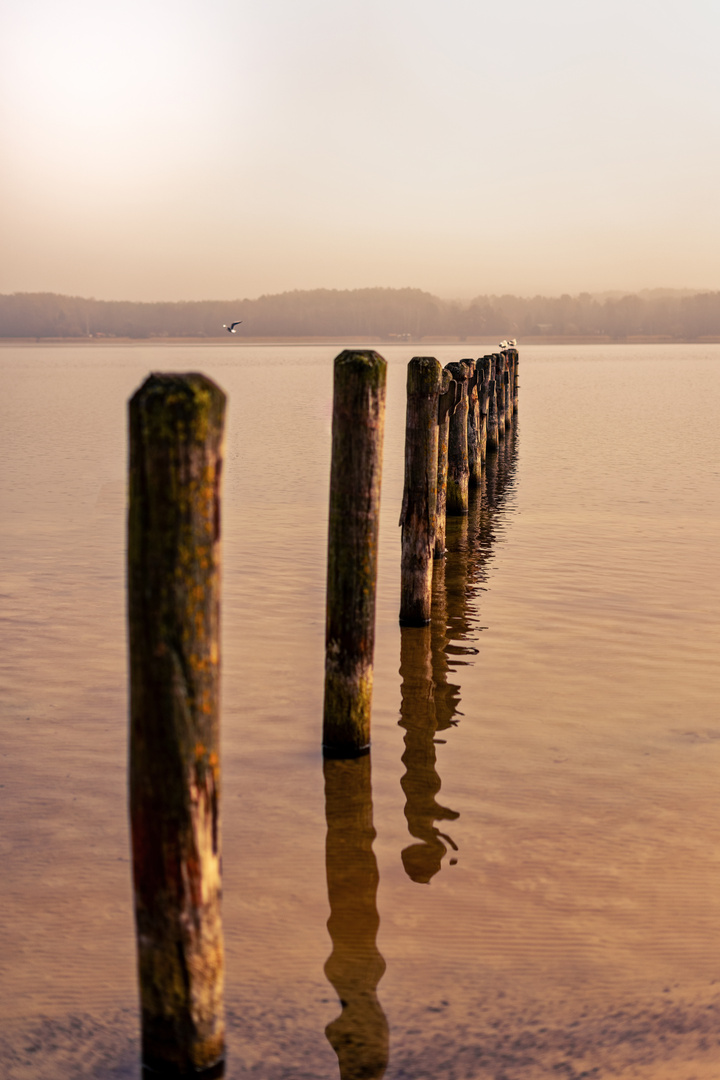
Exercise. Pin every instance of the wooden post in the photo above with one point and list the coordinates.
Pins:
(474, 425)
(516, 360)
(484, 367)
(355, 473)
(508, 395)
(176, 456)
(419, 509)
(493, 434)
(500, 393)
(446, 404)
(458, 467)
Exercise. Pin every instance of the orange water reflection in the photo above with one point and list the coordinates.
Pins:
(359, 1035)
(429, 701)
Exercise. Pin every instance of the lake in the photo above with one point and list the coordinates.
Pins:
(540, 894)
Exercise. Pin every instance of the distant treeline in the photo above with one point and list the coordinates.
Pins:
(408, 314)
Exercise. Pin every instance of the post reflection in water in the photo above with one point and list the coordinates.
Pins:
(429, 702)
(359, 1035)
(428, 705)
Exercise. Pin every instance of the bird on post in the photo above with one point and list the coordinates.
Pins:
(231, 328)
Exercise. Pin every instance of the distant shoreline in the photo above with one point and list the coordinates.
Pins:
(221, 342)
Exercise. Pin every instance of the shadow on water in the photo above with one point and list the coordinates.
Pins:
(428, 655)
(359, 1035)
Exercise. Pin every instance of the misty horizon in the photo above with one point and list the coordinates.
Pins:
(384, 314)
(658, 292)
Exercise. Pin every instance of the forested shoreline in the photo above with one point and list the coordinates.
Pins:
(389, 314)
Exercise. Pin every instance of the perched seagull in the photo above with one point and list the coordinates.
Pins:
(512, 342)
(504, 344)
(231, 328)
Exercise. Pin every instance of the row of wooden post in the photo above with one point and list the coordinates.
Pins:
(455, 417)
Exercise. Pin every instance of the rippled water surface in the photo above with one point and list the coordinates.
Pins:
(524, 880)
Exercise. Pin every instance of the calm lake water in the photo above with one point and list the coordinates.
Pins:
(545, 762)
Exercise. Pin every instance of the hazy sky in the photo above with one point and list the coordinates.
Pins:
(214, 149)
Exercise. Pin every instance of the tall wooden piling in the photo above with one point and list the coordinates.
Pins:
(446, 403)
(500, 393)
(176, 457)
(474, 424)
(355, 474)
(513, 389)
(458, 465)
(483, 389)
(493, 432)
(419, 509)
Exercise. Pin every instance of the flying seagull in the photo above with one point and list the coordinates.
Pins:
(231, 328)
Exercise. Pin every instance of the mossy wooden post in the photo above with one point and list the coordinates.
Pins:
(500, 394)
(516, 361)
(510, 391)
(493, 435)
(419, 509)
(355, 472)
(446, 403)
(458, 466)
(484, 368)
(176, 455)
(474, 424)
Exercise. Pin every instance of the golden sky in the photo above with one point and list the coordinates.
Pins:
(208, 149)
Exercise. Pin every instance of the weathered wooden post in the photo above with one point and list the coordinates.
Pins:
(419, 509)
(493, 433)
(446, 403)
(355, 474)
(508, 395)
(484, 367)
(176, 457)
(458, 467)
(513, 391)
(474, 425)
(500, 393)
(516, 361)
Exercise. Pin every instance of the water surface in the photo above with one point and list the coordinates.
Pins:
(533, 884)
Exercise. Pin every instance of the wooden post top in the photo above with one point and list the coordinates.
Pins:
(364, 362)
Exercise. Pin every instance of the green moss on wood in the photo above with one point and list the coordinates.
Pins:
(176, 455)
(355, 478)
